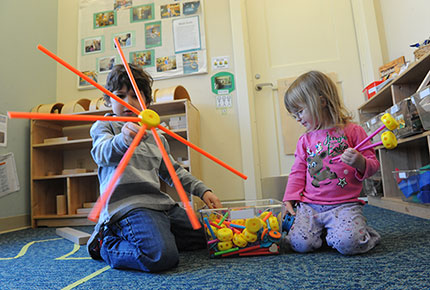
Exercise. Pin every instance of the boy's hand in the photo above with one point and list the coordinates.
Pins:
(211, 199)
(129, 131)
(354, 159)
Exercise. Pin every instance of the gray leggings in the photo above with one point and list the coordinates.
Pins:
(347, 230)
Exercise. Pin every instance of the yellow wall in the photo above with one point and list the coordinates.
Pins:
(26, 79)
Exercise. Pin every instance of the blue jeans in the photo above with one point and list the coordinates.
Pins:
(149, 240)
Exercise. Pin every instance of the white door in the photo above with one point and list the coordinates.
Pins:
(288, 38)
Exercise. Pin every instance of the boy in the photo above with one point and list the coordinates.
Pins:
(141, 227)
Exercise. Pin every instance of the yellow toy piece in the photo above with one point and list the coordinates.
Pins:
(222, 246)
(224, 234)
(212, 217)
(389, 121)
(264, 214)
(389, 140)
(249, 236)
(264, 224)
(150, 118)
(240, 222)
(253, 225)
(239, 240)
(273, 222)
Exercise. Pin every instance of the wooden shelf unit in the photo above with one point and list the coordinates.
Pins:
(412, 152)
(49, 159)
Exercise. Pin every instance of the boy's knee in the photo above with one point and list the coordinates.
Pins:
(160, 260)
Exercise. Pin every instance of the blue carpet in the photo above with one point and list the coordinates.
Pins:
(401, 261)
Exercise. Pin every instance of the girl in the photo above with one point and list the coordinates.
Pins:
(324, 191)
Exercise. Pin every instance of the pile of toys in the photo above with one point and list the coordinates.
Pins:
(245, 230)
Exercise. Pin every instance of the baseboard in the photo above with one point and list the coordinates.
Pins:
(13, 223)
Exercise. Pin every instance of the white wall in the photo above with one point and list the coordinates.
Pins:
(402, 23)
(219, 133)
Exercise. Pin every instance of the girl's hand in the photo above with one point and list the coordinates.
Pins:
(354, 159)
(129, 131)
(289, 207)
(211, 199)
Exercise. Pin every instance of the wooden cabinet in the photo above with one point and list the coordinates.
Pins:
(60, 145)
(412, 152)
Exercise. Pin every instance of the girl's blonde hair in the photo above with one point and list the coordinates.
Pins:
(318, 94)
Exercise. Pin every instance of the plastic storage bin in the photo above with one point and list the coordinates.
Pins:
(244, 228)
(366, 127)
(374, 124)
(422, 102)
(414, 184)
(406, 113)
(371, 89)
(372, 186)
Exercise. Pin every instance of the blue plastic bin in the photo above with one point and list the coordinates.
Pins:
(414, 184)
(409, 182)
(424, 183)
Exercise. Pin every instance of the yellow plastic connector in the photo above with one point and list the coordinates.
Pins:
(150, 118)
(389, 140)
(389, 121)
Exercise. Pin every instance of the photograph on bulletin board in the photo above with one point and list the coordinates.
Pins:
(125, 39)
(92, 45)
(85, 85)
(105, 64)
(166, 38)
(144, 58)
(153, 34)
(142, 13)
(104, 19)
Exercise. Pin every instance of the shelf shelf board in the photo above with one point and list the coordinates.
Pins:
(408, 139)
(382, 100)
(180, 132)
(169, 108)
(396, 204)
(65, 176)
(55, 216)
(71, 144)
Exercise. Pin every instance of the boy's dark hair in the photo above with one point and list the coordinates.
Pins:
(118, 78)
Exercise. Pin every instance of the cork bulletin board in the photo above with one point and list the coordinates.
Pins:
(165, 38)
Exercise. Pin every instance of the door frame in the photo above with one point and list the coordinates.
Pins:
(369, 48)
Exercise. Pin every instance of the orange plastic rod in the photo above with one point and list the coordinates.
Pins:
(104, 90)
(198, 149)
(49, 116)
(130, 75)
(181, 192)
(267, 216)
(103, 199)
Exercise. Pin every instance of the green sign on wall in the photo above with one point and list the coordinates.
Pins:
(222, 83)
